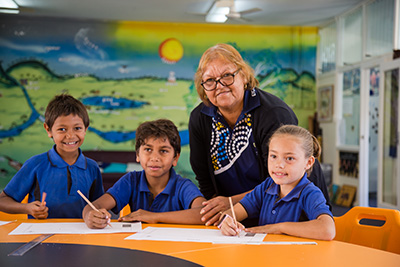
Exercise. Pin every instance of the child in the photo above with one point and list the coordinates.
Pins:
(60, 172)
(287, 202)
(156, 194)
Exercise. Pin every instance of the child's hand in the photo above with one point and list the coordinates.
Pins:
(229, 227)
(140, 216)
(97, 219)
(38, 210)
(265, 229)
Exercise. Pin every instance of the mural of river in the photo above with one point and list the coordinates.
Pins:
(125, 75)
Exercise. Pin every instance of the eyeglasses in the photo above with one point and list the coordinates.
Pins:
(225, 80)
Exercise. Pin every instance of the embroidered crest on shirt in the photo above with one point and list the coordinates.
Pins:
(226, 147)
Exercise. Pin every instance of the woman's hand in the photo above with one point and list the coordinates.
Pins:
(212, 210)
(140, 216)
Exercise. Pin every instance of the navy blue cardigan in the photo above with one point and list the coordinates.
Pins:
(266, 118)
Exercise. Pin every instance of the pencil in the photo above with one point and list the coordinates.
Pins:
(90, 203)
(43, 197)
(233, 211)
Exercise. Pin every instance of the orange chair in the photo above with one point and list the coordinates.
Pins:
(11, 217)
(358, 226)
(125, 211)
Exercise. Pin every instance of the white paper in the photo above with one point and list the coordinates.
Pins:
(347, 107)
(195, 235)
(74, 228)
(5, 222)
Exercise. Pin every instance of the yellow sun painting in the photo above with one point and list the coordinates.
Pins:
(170, 51)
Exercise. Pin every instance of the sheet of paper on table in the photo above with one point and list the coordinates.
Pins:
(74, 228)
(5, 222)
(195, 235)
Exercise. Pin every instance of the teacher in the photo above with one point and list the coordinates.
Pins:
(229, 130)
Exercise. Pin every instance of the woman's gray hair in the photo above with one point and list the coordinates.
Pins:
(229, 54)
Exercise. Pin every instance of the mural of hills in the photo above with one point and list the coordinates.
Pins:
(116, 106)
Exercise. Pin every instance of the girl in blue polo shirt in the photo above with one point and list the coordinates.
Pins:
(156, 194)
(287, 202)
(59, 172)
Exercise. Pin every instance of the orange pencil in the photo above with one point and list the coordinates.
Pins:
(43, 197)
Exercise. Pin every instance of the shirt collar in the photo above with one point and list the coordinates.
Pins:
(274, 189)
(251, 101)
(56, 160)
(168, 190)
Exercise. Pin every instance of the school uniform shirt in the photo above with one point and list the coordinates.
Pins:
(132, 189)
(48, 172)
(304, 202)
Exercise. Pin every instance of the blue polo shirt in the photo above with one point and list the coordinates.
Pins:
(264, 202)
(48, 172)
(233, 152)
(132, 189)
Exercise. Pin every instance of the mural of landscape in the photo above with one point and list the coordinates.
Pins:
(130, 72)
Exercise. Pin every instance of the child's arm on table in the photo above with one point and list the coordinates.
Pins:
(189, 216)
(95, 219)
(322, 228)
(35, 208)
(228, 225)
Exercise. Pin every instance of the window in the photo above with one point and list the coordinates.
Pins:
(351, 38)
(327, 48)
(379, 32)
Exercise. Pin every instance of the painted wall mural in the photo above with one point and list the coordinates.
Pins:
(129, 72)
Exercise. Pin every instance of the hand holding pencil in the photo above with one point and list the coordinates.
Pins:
(38, 208)
(103, 212)
(229, 225)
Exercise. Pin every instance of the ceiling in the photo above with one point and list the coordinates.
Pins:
(273, 12)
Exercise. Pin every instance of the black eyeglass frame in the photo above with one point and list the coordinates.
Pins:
(218, 80)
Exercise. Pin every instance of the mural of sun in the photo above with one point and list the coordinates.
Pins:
(170, 51)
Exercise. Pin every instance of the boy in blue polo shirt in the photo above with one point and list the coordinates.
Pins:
(287, 202)
(60, 172)
(156, 194)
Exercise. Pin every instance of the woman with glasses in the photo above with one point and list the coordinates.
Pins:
(229, 130)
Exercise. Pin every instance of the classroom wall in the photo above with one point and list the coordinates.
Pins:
(128, 72)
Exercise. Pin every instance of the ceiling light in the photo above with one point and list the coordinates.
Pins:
(9, 10)
(8, 6)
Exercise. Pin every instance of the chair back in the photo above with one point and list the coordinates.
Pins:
(125, 211)
(372, 227)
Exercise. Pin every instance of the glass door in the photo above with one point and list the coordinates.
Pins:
(369, 122)
(373, 126)
(388, 178)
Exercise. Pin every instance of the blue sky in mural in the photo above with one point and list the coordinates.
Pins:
(82, 48)
(78, 47)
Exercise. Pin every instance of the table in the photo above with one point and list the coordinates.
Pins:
(113, 248)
